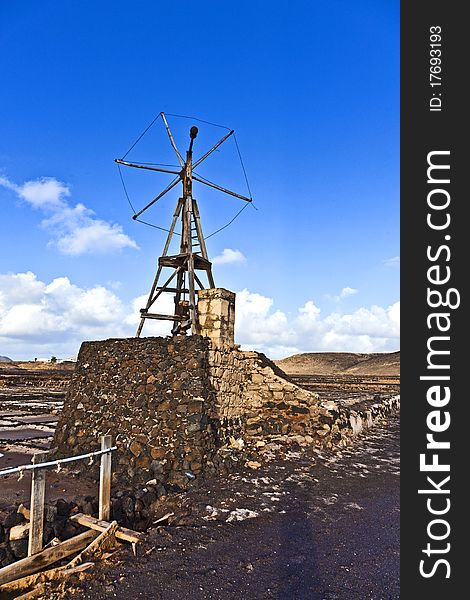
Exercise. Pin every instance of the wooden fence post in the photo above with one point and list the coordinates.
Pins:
(105, 479)
(38, 489)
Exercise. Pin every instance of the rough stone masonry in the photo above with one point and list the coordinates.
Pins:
(174, 404)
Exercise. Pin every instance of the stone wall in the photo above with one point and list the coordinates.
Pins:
(150, 394)
(174, 405)
(254, 400)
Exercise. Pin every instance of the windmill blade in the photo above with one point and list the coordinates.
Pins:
(221, 189)
(172, 141)
(166, 190)
(136, 166)
(219, 143)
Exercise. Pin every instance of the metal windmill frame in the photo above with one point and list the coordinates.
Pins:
(193, 255)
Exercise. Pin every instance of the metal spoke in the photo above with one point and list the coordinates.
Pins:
(172, 141)
(167, 189)
(220, 142)
(128, 164)
(221, 189)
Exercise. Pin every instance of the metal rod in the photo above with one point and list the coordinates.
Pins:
(221, 189)
(199, 161)
(136, 166)
(172, 141)
(167, 189)
(53, 463)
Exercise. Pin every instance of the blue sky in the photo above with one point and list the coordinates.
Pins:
(312, 90)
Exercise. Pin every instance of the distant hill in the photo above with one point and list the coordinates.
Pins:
(325, 363)
(35, 366)
(5, 359)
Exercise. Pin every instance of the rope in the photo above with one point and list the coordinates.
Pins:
(198, 120)
(229, 223)
(125, 189)
(243, 166)
(156, 226)
(141, 135)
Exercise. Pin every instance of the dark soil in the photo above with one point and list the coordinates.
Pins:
(322, 527)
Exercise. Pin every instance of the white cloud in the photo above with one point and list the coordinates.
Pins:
(260, 327)
(97, 237)
(52, 318)
(46, 192)
(347, 291)
(17, 286)
(40, 318)
(256, 323)
(34, 312)
(229, 256)
(75, 229)
(392, 262)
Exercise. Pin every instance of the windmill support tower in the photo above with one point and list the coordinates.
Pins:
(192, 255)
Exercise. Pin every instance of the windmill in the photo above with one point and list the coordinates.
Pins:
(192, 255)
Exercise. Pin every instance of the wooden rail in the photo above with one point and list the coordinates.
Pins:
(39, 466)
(101, 535)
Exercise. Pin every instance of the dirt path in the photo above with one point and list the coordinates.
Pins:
(327, 528)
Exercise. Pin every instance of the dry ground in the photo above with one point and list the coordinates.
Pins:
(314, 526)
(319, 526)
